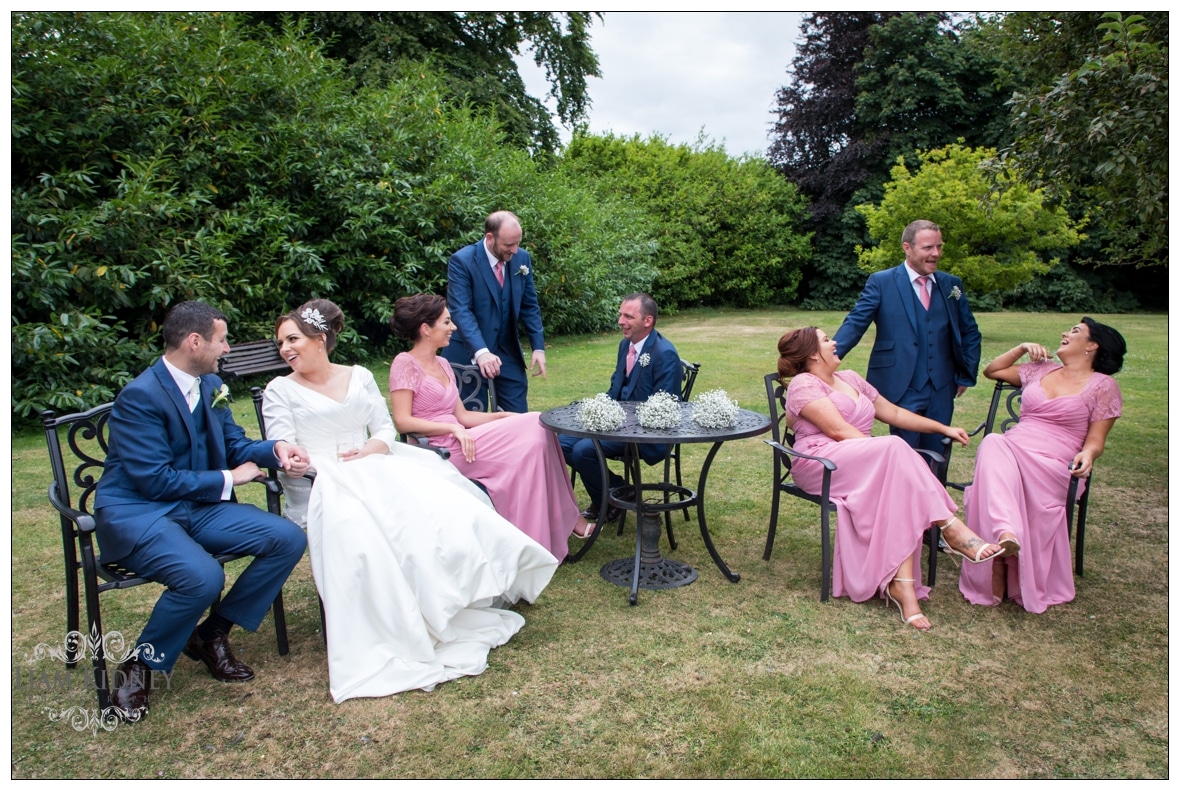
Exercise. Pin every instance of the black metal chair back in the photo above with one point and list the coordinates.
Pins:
(78, 463)
(783, 444)
(470, 383)
(1002, 414)
(688, 378)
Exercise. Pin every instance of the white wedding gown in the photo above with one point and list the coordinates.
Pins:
(407, 554)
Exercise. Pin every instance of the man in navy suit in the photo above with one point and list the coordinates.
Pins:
(926, 353)
(647, 363)
(165, 507)
(490, 290)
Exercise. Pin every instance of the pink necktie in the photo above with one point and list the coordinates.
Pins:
(630, 359)
(923, 294)
(500, 272)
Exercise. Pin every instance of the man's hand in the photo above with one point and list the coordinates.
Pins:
(489, 365)
(246, 473)
(294, 458)
(962, 389)
(538, 366)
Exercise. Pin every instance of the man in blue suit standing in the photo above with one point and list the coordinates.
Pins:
(165, 507)
(926, 353)
(490, 290)
(647, 363)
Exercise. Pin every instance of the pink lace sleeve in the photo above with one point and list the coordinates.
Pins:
(1105, 399)
(404, 374)
(1035, 372)
(804, 389)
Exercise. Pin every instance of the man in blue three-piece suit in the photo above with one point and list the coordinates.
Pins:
(926, 353)
(647, 363)
(490, 290)
(165, 505)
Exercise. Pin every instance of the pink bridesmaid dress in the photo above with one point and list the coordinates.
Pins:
(517, 460)
(884, 492)
(1021, 480)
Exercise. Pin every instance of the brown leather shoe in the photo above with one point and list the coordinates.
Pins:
(218, 657)
(129, 690)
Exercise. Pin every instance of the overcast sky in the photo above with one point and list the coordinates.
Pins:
(675, 73)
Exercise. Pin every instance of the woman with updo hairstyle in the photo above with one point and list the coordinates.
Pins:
(408, 555)
(516, 459)
(1022, 475)
(884, 492)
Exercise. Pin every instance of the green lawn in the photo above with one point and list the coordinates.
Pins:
(716, 679)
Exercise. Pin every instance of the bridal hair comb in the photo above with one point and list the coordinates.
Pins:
(313, 318)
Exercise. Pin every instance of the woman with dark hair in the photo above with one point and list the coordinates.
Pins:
(511, 454)
(409, 557)
(885, 494)
(1022, 476)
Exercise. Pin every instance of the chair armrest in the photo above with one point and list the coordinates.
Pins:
(83, 520)
(828, 464)
(934, 456)
(422, 441)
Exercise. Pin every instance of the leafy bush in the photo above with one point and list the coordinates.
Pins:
(165, 157)
(726, 227)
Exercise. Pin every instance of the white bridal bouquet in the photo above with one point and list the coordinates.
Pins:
(661, 410)
(600, 413)
(714, 409)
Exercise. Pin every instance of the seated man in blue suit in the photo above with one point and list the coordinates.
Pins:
(647, 363)
(165, 507)
(926, 353)
(490, 290)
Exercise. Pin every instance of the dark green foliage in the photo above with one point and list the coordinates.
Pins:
(474, 51)
(727, 228)
(164, 157)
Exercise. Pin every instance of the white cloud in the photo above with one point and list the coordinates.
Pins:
(674, 73)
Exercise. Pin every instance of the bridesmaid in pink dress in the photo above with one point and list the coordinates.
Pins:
(517, 460)
(885, 494)
(1022, 475)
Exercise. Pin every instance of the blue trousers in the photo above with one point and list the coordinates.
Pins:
(936, 404)
(177, 551)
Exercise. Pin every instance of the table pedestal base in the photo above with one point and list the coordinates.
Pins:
(655, 572)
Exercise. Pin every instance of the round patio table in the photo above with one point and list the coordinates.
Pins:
(648, 569)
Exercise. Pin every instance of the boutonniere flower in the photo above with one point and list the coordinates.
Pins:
(523, 271)
(956, 292)
(221, 398)
(644, 360)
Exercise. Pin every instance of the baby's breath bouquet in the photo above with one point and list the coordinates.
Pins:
(600, 413)
(661, 410)
(714, 409)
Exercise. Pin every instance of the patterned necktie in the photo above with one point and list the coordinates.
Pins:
(500, 272)
(923, 294)
(194, 395)
(630, 359)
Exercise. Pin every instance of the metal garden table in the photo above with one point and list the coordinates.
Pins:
(648, 569)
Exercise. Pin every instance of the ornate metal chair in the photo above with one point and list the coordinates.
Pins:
(1003, 413)
(86, 441)
(783, 441)
(470, 382)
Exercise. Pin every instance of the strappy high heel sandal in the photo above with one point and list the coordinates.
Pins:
(890, 600)
(962, 550)
(1010, 544)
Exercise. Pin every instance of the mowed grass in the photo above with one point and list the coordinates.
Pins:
(716, 679)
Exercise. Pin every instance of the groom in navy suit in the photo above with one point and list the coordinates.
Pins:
(165, 507)
(926, 353)
(647, 363)
(490, 290)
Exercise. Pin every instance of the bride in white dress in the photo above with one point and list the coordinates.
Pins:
(407, 554)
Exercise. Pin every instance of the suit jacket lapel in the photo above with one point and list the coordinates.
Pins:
(216, 440)
(488, 277)
(176, 398)
(905, 291)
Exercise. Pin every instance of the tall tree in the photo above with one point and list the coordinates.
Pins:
(476, 50)
(1098, 130)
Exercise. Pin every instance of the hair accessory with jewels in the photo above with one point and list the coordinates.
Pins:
(313, 318)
